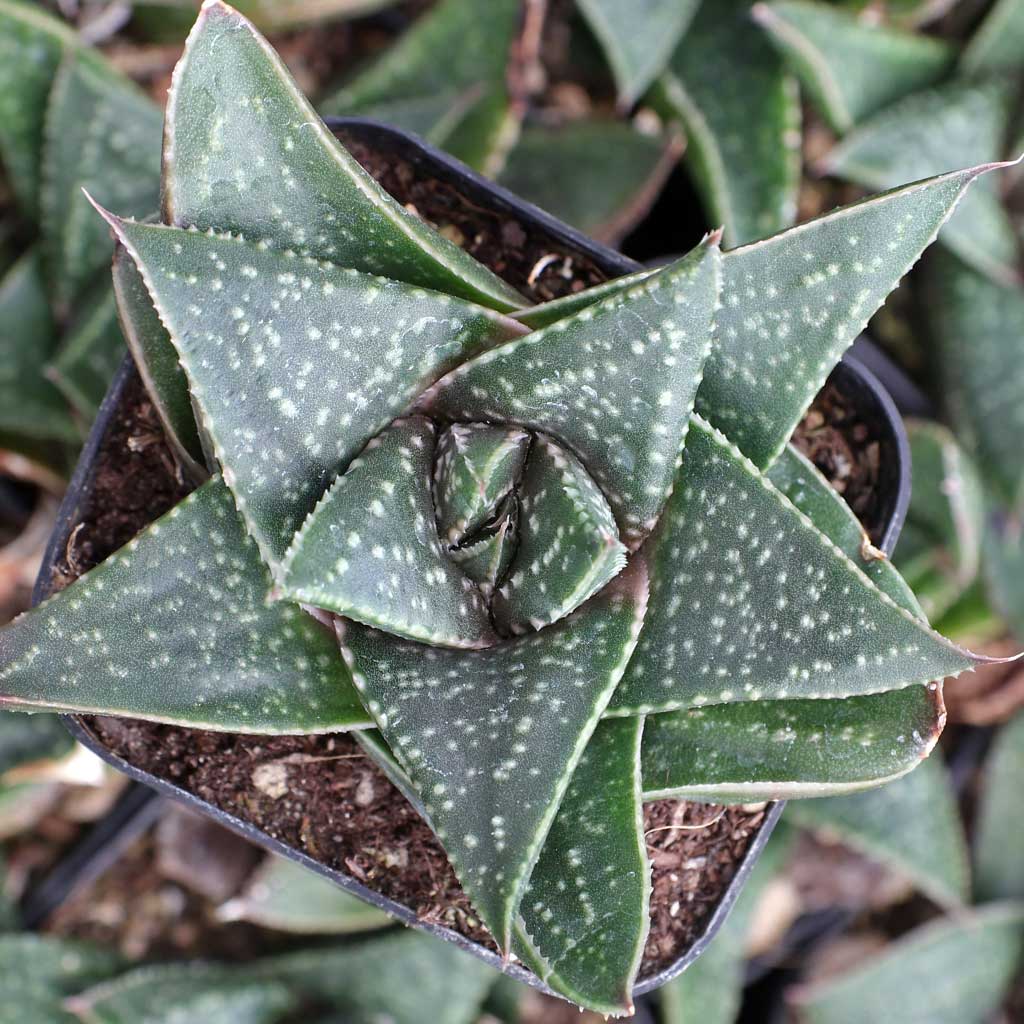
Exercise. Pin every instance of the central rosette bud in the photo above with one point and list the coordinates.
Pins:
(522, 518)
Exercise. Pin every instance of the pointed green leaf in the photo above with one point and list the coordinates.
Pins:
(740, 109)
(288, 897)
(244, 151)
(103, 135)
(169, 994)
(951, 971)
(89, 355)
(751, 602)
(370, 549)
(584, 915)
(30, 406)
(175, 628)
(569, 546)
(638, 38)
(928, 847)
(40, 971)
(798, 479)
(476, 467)
(999, 840)
(772, 750)
(939, 551)
(548, 313)
(998, 44)
(459, 101)
(157, 361)
(793, 303)
(977, 326)
(599, 175)
(957, 124)
(491, 780)
(487, 557)
(851, 67)
(614, 382)
(323, 357)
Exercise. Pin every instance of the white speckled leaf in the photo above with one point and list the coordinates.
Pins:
(370, 549)
(782, 749)
(102, 135)
(798, 479)
(638, 38)
(851, 66)
(929, 846)
(296, 363)
(793, 303)
(740, 108)
(998, 44)
(157, 361)
(89, 354)
(584, 916)
(460, 101)
(244, 151)
(487, 557)
(951, 971)
(30, 406)
(953, 125)
(751, 602)
(175, 628)
(569, 546)
(977, 326)
(288, 897)
(614, 382)
(999, 847)
(548, 313)
(475, 468)
(490, 738)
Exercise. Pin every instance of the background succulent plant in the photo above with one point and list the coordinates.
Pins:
(396, 446)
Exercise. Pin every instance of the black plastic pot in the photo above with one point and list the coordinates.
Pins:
(859, 385)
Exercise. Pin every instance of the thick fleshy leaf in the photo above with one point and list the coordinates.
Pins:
(548, 313)
(175, 628)
(25, 739)
(732, 93)
(770, 750)
(599, 175)
(978, 329)
(296, 363)
(998, 44)
(584, 915)
(459, 101)
(928, 846)
(487, 557)
(793, 303)
(638, 38)
(956, 124)
(939, 552)
(39, 972)
(157, 361)
(288, 897)
(492, 779)
(614, 382)
(999, 840)
(370, 549)
(952, 971)
(775, 610)
(30, 406)
(852, 67)
(102, 135)
(798, 479)
(89, 355)
(476, 467)
(185, 992)
(31, 45)
(244, 151)
(710, 990)
(569, 546)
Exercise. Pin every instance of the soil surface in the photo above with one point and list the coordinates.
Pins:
(328, 798)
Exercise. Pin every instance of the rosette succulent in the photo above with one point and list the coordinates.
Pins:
(548, 562)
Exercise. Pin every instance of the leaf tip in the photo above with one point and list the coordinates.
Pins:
(713, 239)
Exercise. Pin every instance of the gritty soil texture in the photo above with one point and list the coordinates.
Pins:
(336, 805)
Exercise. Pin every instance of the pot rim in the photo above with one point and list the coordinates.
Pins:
(445, 167)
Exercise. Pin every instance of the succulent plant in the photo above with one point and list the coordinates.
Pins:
(568, 559)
